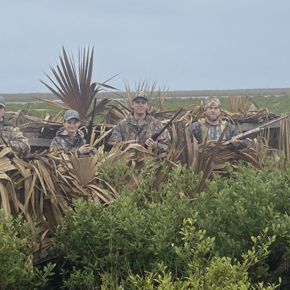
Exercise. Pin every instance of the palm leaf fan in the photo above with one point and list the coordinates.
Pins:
(75, 88)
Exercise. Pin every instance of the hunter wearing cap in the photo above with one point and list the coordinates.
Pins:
(139, 126)
(214, 125)
(69, 138)
(10, 135)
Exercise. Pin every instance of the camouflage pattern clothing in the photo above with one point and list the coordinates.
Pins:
(64, 142)
(13, 137)
(199, 130)
(139, 130)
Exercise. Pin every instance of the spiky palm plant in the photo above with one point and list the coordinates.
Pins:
(74, 87)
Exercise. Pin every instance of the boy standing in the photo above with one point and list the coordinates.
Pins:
(69, 138)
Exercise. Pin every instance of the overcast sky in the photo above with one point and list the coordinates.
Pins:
(181, 44)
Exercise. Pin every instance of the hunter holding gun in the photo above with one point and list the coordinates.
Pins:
(10, 135)
(139, 126)
(214, 125)
(69, 138)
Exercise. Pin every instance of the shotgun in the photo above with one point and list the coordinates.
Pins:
(90, 125)
(157, 134)
(254, 131)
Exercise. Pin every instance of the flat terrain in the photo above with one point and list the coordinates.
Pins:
(24, 97)
(275, 100)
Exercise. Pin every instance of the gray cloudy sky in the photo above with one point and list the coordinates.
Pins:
(182, 44)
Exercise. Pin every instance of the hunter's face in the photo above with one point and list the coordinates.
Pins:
(2, 110)
(140, 107)
(71, 126)
(213, 113)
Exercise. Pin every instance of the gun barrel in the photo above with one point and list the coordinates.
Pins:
(90, 126)
(156, 135)
(274, 121)
(170, 122)
(253, 131)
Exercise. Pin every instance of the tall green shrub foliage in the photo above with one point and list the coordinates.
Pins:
(134, 235)
(17, 243)
(122, 238)
(234, 208)
(205, 274)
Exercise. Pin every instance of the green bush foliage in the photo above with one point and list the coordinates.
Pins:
(134, 235)
(17, 243)
(233, 235)
(123, 238)
(236, 207)
(217, 274)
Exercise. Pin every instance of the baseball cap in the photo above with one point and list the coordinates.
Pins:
(71, 114)
(139, 94)
(2, 102)
(212, 101)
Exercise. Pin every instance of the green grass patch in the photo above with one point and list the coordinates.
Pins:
(276, 105)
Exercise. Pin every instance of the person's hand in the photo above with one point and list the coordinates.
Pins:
(236, 142)
(150, 143)
(85, 149)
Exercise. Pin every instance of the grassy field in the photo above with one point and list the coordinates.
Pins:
(21, 97)
(275, 103)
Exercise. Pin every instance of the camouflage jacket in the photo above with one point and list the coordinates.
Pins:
(64, 142)
(13, 137)
(139, 131)
(199, 130)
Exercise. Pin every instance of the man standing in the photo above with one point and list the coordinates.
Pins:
(139, 126)
(69, 138)
(214, 125)
(10, 135)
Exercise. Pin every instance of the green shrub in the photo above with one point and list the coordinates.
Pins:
(234, 208)
(17, 244)
(132, 235)
(102, 246)
(217, 274)
(122, 238)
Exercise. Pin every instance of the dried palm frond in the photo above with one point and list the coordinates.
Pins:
(156, 97)
(284, 136)
(116, 113)
(43, 186)
(75, 88)
(104, 132)
(14, 117)
(241, 104)
(236, 104)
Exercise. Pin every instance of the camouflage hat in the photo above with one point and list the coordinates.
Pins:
(2, 102)
(140, 94)
(212, 101)
(71, 114)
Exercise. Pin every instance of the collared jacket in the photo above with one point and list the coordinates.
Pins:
(64, 142)
(13, 137)
(139, 130)
(199, 130)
